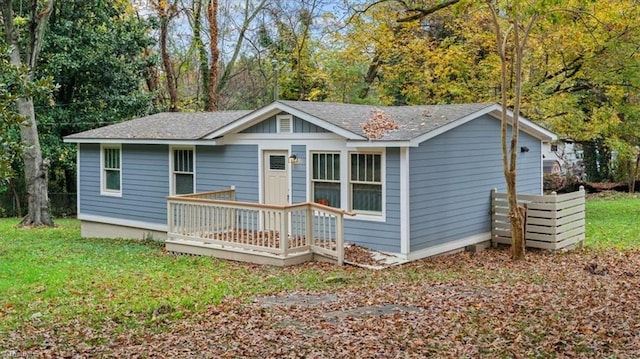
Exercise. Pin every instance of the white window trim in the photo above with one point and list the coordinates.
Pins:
(103, 181)
(372, 216)
(312, 181)
(172, 189)
(279, 118)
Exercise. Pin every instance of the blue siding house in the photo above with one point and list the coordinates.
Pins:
(419, 188)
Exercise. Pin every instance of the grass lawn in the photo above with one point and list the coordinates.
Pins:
(64, 295)
(55, 275)
(613, 220)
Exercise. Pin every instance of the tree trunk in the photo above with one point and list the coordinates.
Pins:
(203, 58)
(35, 168)
(634, 175)
(517, 213)
(167, 65)
(372, 73)
(16, 197)
(212, 95)
(151, 79)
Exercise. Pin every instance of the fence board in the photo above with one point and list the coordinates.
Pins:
(552, 222)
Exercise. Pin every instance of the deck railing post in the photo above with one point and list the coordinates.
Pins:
(284, 231)
(340, 238)
(170, 217)
(309, 227)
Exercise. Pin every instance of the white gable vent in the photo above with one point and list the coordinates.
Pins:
(285, 124)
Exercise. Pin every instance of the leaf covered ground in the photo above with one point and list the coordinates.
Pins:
(581, 304)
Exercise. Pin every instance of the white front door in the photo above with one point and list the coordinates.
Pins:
(275, 174)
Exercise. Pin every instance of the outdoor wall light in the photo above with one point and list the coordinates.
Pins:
(524, 149)
(293, 159)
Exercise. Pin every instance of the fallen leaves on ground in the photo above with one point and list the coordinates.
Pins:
(581, 304)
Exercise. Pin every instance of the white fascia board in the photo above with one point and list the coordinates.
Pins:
(377, 144)
(246, 121)
(270, 110)
(494, 110)
(530, 127)
(142, 141)
(230, 138)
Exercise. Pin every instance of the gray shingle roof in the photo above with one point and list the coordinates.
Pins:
(164, 126)
(413, 121)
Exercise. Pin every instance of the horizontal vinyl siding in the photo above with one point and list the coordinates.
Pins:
(383, 236)
(220, 167)
(270, 126)
(299, 175)
(451, 177)
(145, 184)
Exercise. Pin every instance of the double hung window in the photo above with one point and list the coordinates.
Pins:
(325, 179)
(365, 183)
(111, 170)
(182, 164)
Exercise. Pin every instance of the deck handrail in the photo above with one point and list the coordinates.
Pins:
(278, 229)
(187, 198)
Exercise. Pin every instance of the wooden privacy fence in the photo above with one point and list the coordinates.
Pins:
(215, 218)
(552, 221)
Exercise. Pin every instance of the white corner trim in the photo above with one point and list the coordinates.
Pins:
(123, 222)
(405, 220)
(449, 246)
(78, 171)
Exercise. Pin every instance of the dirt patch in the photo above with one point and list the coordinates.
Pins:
(369, 311)
(296, 299)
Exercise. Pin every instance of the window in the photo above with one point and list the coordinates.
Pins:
(182, 171)
(277, 162)
(365, 183)
(111, 170)
(325, 179)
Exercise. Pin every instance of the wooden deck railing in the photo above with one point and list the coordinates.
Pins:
(216, 218)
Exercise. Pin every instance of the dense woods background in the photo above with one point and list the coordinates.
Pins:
(103, 62)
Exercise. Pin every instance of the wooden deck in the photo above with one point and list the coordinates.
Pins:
(213, 223)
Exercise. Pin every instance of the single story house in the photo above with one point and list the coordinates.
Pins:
(417, 188)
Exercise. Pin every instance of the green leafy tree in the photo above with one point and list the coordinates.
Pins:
(95, 52)
(24, 34)
(14, 84)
